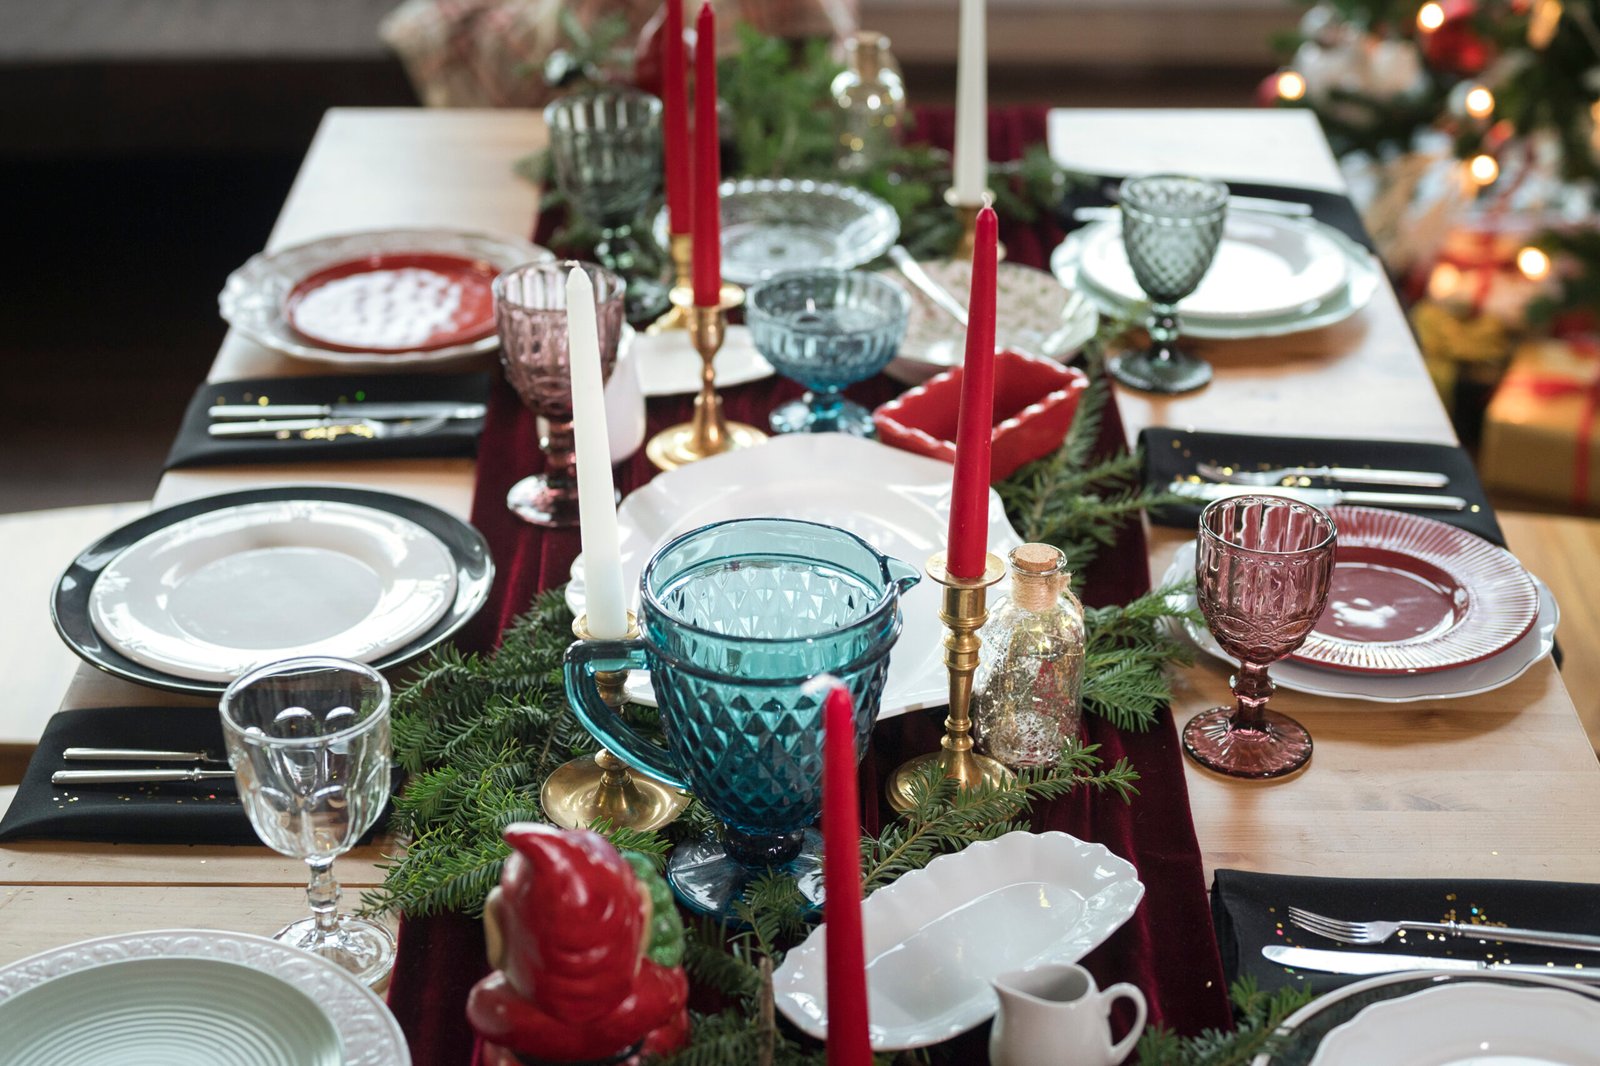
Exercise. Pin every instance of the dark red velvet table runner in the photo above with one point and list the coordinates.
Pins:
(1168, 948)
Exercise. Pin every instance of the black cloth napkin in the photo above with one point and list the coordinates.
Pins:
(1171, 453)
(1251, 911)
(202, 812)
(1330, 208)
(195, 447)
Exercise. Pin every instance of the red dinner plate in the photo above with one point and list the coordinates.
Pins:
(395, 302)
(1412, 595)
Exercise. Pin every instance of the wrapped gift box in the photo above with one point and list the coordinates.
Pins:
(1540, 434)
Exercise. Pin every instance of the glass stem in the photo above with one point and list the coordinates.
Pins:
(825, 404)
(560, 459)
(323, 895)
(1251, 690)
(1164, 332)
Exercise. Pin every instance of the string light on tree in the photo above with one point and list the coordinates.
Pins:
(1444, 281)
(1479, 102)
(1484, 169)
(1430, 17)
(1291, 86)
(1534, 263)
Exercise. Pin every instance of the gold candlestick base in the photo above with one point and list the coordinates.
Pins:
(602, 786)
(708, 432)
(967, 216)
(963, 612)
(681, 248)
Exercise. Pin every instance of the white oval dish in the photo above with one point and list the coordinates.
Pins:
(669, 365)
(367, 1032)
(937, 936)
(896, 501)
(211, 596)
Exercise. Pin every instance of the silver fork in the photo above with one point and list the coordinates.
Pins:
(1304, 475)
(1378, 932)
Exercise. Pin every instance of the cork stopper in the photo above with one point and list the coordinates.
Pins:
(1038, 574)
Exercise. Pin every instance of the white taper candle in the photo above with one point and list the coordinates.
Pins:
(972, 106)
(597, 508)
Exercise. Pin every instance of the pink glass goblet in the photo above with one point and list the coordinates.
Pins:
(1262, 573)
(530, 310)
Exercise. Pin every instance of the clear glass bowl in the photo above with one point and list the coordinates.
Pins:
(826, 329)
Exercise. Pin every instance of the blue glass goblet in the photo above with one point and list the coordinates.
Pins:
(736, 618)
(826, 329)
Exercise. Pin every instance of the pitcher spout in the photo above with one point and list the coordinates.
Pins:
(903, 576)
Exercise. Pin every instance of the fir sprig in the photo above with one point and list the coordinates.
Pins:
(1258, 1015)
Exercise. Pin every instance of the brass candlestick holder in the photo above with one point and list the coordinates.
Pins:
(681, 247)
(707, 433)
(602, 785)
(967, 216)
(963, 612)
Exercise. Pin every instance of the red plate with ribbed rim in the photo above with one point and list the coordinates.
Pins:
(1412, 595)
(395, 302)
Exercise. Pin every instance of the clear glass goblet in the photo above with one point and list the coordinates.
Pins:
(530, 309)
(826, 329)
(1262, 574)
(605, 145)
(308, 740)
(1171, 226)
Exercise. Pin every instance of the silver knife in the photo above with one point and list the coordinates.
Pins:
(133, 755)
(135, 777)
(1420, 501)
(247, 412)
(1373, 962)
(941, 297)
(324, 428)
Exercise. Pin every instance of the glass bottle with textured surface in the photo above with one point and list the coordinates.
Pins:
(1025, 692)
(871, 102)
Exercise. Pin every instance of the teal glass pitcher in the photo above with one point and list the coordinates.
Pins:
(736, 618)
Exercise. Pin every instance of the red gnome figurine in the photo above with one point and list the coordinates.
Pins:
(585, 944)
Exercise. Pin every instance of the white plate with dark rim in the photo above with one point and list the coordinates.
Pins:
(1304, 1031)
(1264, 266)
(1036, 315)
(212, 596)
(896, 501)
(1473, 679)
(936, 936)
(191, 997)
(254, 300)
(1364, 274)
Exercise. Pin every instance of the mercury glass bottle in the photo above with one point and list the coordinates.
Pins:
(871, 102)
(1030, 671)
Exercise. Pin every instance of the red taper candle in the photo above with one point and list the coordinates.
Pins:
(968, 541)
(675, 97)
(848, 1043)
(708, 167)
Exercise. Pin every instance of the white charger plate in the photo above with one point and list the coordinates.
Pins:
(1479, 1024)
(191, 997)
(936, 937)
(1457, 682)
(1036, 315)
(896, 501)
(254, 296)
(1365, 274)
(211, 596)
(669, 365)
(1264, 266)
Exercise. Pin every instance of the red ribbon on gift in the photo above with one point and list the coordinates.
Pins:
(1550, 386)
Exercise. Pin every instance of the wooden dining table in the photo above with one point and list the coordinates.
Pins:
(1502, 784)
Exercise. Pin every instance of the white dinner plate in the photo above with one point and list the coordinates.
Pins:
(1479, 1024)
(896, 501)
(1365, 275)
(669, 365)
(1036, 315)
(191, 997)
(1472, 679)
(211, 596)
(1264, 266)
(936, 937)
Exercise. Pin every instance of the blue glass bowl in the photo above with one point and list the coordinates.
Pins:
(737, 619)
(826, 329)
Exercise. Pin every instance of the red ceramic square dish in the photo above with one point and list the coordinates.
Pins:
(1034, 401)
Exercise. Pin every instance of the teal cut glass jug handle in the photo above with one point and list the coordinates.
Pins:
(583, 658)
